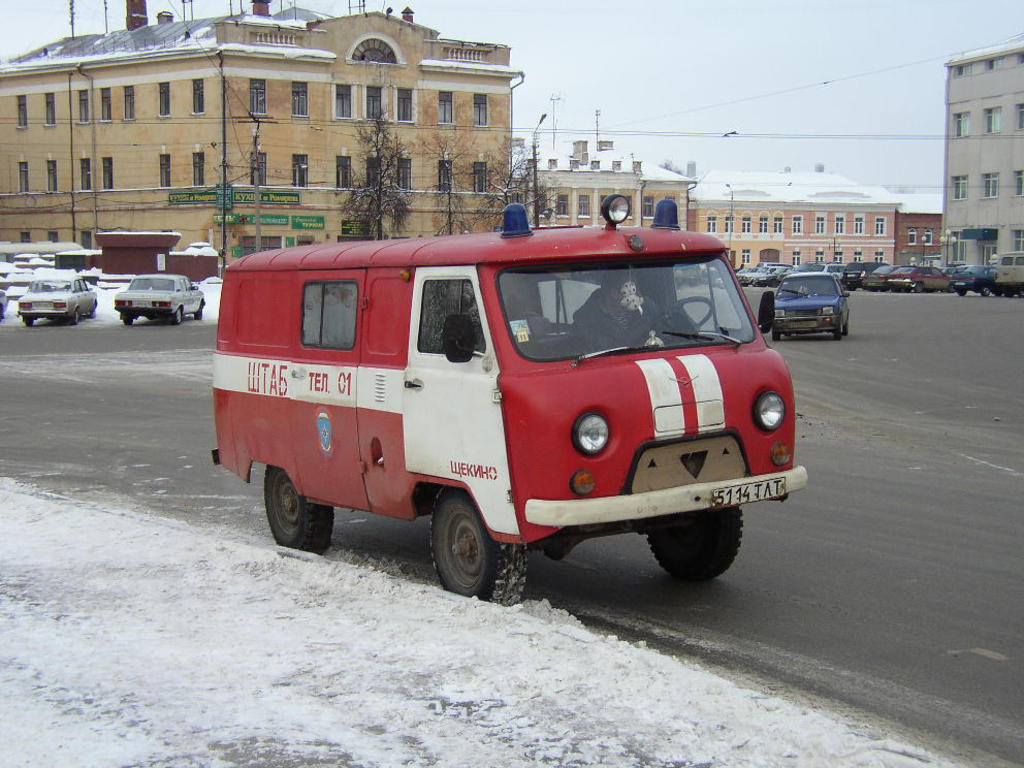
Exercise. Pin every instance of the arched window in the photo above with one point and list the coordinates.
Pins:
(374, 50)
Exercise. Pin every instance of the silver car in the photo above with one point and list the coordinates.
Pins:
(57, 299)
(160, 296)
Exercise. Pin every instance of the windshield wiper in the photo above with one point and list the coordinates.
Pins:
(602, 352)
(705, 336)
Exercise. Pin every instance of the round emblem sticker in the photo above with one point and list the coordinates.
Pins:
(323, 430)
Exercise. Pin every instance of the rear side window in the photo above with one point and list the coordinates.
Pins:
(440, 299)
(329, 314)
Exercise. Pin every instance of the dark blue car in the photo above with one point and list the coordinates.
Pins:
(811, 302)
(977, 278)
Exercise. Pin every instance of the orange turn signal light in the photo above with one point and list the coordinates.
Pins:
(780, 454)
(582, 482)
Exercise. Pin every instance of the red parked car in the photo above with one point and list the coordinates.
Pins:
(917, 279)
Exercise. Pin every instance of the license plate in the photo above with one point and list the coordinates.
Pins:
(959, 284)
(745, 493)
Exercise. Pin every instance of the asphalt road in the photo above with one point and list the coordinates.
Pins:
(892, 585)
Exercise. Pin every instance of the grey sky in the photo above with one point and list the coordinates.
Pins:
(671, 76)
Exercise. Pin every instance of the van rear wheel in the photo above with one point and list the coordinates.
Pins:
(700, 548)
(295, 521)
(467, 560)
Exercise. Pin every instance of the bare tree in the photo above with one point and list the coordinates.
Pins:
(380, 198)
(511, 180)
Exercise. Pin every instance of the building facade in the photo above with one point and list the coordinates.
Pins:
(796, 218)
(227, 128)
(984, 188)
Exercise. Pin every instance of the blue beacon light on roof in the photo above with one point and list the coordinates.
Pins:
(515, 222)
(666, 215)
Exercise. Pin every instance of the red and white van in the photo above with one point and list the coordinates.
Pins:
(527, 389)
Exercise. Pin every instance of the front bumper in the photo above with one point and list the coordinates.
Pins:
(670, 501)
(808, 324)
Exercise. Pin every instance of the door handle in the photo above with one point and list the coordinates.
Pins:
(414, 384)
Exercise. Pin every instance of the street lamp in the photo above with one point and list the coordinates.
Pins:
(536, 208)
(948, 240)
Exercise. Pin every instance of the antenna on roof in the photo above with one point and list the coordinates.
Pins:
(360, 6)
(106, 25)
(71, 10)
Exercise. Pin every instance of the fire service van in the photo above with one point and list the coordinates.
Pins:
(527, 389)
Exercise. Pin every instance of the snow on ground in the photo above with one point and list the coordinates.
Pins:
(129, 640)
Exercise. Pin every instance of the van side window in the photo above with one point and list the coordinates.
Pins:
(329, 314)
(440, 299)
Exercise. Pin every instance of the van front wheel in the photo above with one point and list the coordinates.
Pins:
(467, 560)
(295, 521)
(702, 547)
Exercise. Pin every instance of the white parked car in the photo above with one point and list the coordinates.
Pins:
(3, 303)
(160, 295)
(57, 299)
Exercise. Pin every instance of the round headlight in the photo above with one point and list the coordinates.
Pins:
(769, 411)
(590, 434)
(615, 209)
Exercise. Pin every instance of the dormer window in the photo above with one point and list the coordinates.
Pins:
(374, 50)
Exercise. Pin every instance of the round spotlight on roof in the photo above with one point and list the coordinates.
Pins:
(666, 215)
(515, 223)
(615, 209)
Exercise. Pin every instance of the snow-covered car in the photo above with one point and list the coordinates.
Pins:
(160, 296)
(57, 299)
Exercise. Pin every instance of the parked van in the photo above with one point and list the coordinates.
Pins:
(1009, 275)
(526, 389)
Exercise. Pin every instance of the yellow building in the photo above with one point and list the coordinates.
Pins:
(177, 125)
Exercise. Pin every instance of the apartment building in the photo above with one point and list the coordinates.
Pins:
(796, 218)
(222, 128)
(984, 188)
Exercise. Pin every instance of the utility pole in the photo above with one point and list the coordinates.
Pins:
(223, 164)
(536, 188)
(256, 180)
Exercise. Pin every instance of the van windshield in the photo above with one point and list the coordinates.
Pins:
(565, 311)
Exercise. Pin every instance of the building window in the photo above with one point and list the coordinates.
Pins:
(405, 173)
(23, 177)
(26, 237)
(258, 96)
(444, 175)
(445, 111)
(798, 225)
(85, 238)
(840, 224)
(23, 111)
(762, 225)
(342, 101)
(300, 170)
(165, 170)
(198, 169)
(51, 175)
(990, 185)
(1018, 239)
(912, 236)
(926, 237)
(745, 224)
(562, 205)
(373, 102)
(879, 225)
(796, 257)
(404, 114)
(198, 97)
(777, 225)
(85, 173)
(258, 173)
(729, 224)
(479, 109)
(108, 172)
(372, 171)
(53, 236)
(819, 255)
(300, 100)
(745, 255)
(961, 124)
(858, 224)
(1018, 183)
(84, 115)
(106, 105)
(837, 257)
(479, 177)
(129, 102)
(879, 256)
(994, 120)
(858, 255)
(164, 107)
(1020, 117)
(712, 225)
(959, 187)
(343, 171)
(819, 225)
(583, 206)
(647, 206)
(961, 70)
(50, 101)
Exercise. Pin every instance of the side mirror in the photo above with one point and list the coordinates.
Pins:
(846, 293)
(766, 312)
(458, 339)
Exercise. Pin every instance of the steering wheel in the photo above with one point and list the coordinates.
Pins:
(680, 312)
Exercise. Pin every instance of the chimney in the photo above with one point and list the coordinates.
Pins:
(136, 14)
(605, 144)
(164, 17)
(261, 7)
(552, 164)
(407, 14)
(691, 168)
(579, 149)
(819, 167)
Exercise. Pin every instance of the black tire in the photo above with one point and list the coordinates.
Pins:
(846, 328)
(702, 547)
(985, 291)
(28, 321)
(178, 316)
(76, 316)
(963, 293)
(467, 560)
(127, 319)
(295, 522)
(837, 334)
(198, 314)
(917, 288)
(776, 335)
(92, 313)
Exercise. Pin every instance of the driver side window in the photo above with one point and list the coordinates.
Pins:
(440, 299)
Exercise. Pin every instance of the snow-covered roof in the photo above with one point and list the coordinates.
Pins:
(607, 161)
(1015, 43)
(468, 66)
(789, 187)
(919, 202)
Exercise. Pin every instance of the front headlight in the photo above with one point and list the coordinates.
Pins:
(826, 310)
(769, 411)
(590, 434)
(780, 313)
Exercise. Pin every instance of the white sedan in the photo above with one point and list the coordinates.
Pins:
(57, 299)
(160, 296)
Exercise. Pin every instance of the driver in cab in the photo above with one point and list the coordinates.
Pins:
(617, 315)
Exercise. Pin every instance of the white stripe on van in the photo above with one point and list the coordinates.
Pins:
(665, 393)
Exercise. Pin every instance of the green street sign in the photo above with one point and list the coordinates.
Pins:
(308, 222)
(352, 228)
(268, 197)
